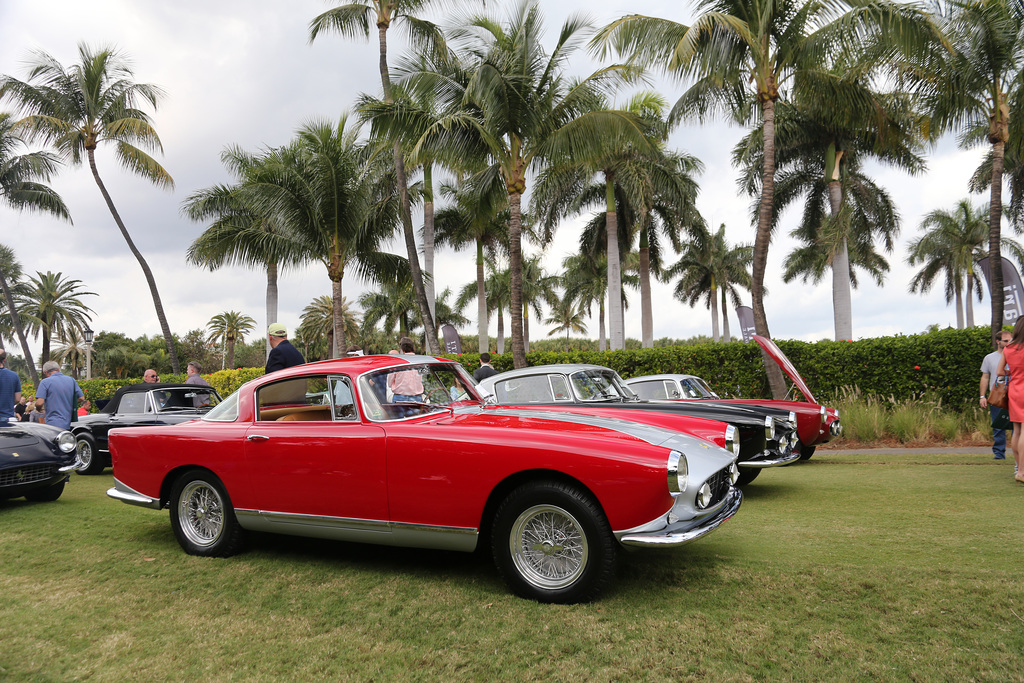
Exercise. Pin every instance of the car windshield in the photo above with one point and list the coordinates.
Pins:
(185, 399)
(600, 385)
(695, 387)
(411, 390)
(226, 410)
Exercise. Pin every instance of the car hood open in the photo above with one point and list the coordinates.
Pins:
(787, 367)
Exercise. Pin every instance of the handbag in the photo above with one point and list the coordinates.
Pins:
(997, 397)
(1002, 420)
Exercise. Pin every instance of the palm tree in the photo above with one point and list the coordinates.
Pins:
(20, 188)
(351, 20)
(538, 288)
(585, 281)
(393, 305)
(971, 89)
(337, 202)
(53, 308)
(316, 331)
(709, 265)
(227, 329)
(498, 289)
(239, 235)
(481, 222)
(954, 241)
(92, 102)
(518, 109)
(71, 351)
(567, 317)
(768, 45)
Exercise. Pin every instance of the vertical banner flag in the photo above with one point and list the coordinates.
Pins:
(746, 316)
(1013, 291)
(452, 343)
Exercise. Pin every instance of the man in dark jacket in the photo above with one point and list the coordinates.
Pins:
(486, 369)
(283, 354)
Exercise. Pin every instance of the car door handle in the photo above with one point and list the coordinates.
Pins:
(257, 437)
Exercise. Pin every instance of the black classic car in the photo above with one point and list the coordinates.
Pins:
(768, 436)
(138, 405)
(35, 460)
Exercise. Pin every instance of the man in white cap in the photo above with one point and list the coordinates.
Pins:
(283, 354)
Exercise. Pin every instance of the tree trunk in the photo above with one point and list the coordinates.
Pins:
(481, 300)
(602, 343)
(995, 215)
(500, 346)
(272, 300)
(526, 328)
(614, 266)
(430, 331)
(339, 320)
(231, 353)
(646, 314)
(714, 311)
(16, 322)
(428, 240)
(725, 314)
(764, 222)
(164, 327)
(515, 251)
(959, 302)
(842, 299)
(969, 300)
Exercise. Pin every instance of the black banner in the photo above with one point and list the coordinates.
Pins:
(452, 343)
(1013, 291)
(746, 316)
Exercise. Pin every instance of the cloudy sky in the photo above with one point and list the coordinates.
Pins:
(242, 72)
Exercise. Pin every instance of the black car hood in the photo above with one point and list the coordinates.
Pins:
(736, 415)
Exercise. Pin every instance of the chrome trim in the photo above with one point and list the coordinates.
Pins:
(126, 494)
(360, 530)
(732, 444)
(678, 472)
(76, 465)
(680, 533)
(769, 428)
(773, 462)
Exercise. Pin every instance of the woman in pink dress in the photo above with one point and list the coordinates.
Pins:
(1013, 365)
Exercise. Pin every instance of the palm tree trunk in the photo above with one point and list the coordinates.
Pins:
(602, 343)
(646, 314)
(842, 298)
(969, 300)
(428, 240)
(614, 266)
(764, 222)
(430, 331)
(725, 314)
(500, 346)
(958, 300)
(714, 311)
(481, 300)
(526, 329)
(16, 322)
(164, 327)
(272, 300)
(515, 251)
(995, 214)
(339, 320)
(231, 353)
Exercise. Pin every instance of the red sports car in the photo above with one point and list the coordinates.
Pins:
(816, 423)
(400, 450)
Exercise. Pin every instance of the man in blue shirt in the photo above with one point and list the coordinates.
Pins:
(283, 354)
(10, 389)
(57, 394)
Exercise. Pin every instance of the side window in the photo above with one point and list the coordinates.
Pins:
(133, 404)
(344, 404)
(672, 392)
(302, 399)
(650, 390)
(560, 388)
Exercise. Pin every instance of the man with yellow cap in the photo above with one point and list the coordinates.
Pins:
(283, 354)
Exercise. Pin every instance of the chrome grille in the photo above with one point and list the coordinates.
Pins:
(14, 476)
(720, 485)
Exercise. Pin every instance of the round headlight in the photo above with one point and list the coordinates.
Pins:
(769, 428)
(704, 496)
(678, 471)
(66, 442)
(734, 474)
(732, 444)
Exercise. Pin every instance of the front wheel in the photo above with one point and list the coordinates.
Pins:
(552, 543)
(806, 452)
(92, 461)
(202, 516)
(747, 475)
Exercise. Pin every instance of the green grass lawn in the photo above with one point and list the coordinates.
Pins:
(846, 567)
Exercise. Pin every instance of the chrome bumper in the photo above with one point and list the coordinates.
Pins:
(772, 462)
(76, 465)
(682, 533)
(128, 495)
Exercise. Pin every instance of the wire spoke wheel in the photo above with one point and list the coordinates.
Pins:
(549, 547)
(201, 511)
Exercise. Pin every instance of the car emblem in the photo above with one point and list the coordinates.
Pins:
(16, 455)
(20, 475)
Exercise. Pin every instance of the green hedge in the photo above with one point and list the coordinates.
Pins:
(943, 364)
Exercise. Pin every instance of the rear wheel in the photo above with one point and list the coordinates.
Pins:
(806, 452)
(747, 475)
(50, 493)
(202, 517)
(92, 461)
(552, 543)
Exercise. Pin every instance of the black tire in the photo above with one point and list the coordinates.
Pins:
(573, 554)
(92, 460)
(806, 452)
(202, 516)
(747, 475)
(47, 495)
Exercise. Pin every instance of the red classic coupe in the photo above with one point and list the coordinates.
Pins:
(815, 423)
(330, 450)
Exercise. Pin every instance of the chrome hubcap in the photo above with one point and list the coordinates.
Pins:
(201, 512)
(548, 547)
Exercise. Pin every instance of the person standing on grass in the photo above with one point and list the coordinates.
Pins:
(989, 366)
(486, 369)
(58, 396)
(1013, 358)
(10, 390)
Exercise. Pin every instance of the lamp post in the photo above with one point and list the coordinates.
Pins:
(88, 334)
